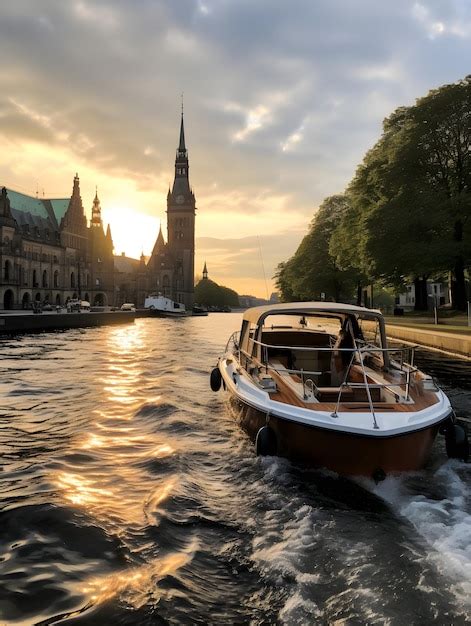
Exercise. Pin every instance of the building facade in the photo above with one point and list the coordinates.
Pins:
(48, 254)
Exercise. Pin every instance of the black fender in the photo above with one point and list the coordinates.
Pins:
(215, 379)
(266, 443)
(456, 441)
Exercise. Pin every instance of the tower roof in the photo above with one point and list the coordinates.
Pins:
(108, 234)
(159, 245)
(181, 146)
(96, 212)
(74, 216)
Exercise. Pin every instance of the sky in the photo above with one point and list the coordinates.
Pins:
(282, 100)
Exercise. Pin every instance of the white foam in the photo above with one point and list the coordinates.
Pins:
(298, 610)
(444, 523)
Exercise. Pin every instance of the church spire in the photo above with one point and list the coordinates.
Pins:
(74, 216)
(205, 272)
(181, 146)
(159, 245)
(96, 212)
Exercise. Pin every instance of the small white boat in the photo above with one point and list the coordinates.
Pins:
(317, 382)
(78, 306)
(161, 306)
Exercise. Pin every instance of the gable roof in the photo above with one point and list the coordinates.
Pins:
(37, 211)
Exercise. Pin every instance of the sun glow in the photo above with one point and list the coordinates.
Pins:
(133, 232)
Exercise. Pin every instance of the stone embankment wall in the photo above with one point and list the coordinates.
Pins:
(448, 342)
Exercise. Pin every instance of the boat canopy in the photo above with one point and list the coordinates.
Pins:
(257, 314)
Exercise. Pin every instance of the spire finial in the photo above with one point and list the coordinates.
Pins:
(182, 102)
(181, 145)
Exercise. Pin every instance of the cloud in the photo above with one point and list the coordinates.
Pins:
(281, 99)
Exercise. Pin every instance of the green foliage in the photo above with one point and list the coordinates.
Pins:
(410, 200)
(209, 293)
(405, 216)
(313, 270)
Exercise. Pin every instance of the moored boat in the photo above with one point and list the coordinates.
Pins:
(316, 382)
(161, 306)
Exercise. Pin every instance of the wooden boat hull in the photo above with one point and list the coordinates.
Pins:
(344, 453)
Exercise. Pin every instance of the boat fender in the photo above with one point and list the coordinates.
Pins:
(265, 443)
(215, 379)
(378, 475)
(456, 442)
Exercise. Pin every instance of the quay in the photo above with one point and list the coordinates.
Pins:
(456, 342)
(30, 322)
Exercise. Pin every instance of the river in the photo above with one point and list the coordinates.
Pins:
(128, 495)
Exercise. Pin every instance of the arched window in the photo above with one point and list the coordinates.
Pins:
(35, 279)
(72, 280)
(45, 278)
(56, 278)
(7, 273)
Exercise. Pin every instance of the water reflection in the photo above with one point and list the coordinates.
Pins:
(136, 585)
(127, 485)
(82, 491)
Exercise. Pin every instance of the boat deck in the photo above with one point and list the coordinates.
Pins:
(352, 399)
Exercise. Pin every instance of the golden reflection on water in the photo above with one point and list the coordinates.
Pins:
(124, 339)
(82, 491)
(136, 585)
(114, 485)
(94, 440)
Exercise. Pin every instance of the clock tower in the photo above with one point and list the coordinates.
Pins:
(181, 211)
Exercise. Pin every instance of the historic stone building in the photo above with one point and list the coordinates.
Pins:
(48, 253)
(170, 269)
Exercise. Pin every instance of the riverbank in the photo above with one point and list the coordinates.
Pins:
(25, 322)
(454, 340)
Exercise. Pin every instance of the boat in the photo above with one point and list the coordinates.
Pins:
(128, 306)
(161, 306)
(199, 311)
(78, 306)
(317, 383)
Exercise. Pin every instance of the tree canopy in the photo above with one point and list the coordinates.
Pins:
(209, 293)
(313, 271)
(405, 215)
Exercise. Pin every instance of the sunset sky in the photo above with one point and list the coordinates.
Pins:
(282, 99)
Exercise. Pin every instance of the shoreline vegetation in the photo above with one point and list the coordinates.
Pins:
(404, 219)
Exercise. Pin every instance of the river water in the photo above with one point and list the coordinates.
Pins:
(128, 495)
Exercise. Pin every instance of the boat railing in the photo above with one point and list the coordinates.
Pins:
(403, 363)
(233, 343)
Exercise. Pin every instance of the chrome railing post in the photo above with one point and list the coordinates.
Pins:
(343, 384)
(367, 387)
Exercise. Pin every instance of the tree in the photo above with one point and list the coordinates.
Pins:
(410, 199)
(313, 271)
(209, 293)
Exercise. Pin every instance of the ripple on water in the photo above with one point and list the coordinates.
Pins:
(130, 495)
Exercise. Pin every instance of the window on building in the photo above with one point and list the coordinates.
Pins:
(72, 280)
(7, 270)
(45, 278)
(56, 279)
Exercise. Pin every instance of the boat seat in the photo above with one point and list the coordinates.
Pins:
(349, 394)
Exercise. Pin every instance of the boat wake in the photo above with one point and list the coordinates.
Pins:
(439, 507)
